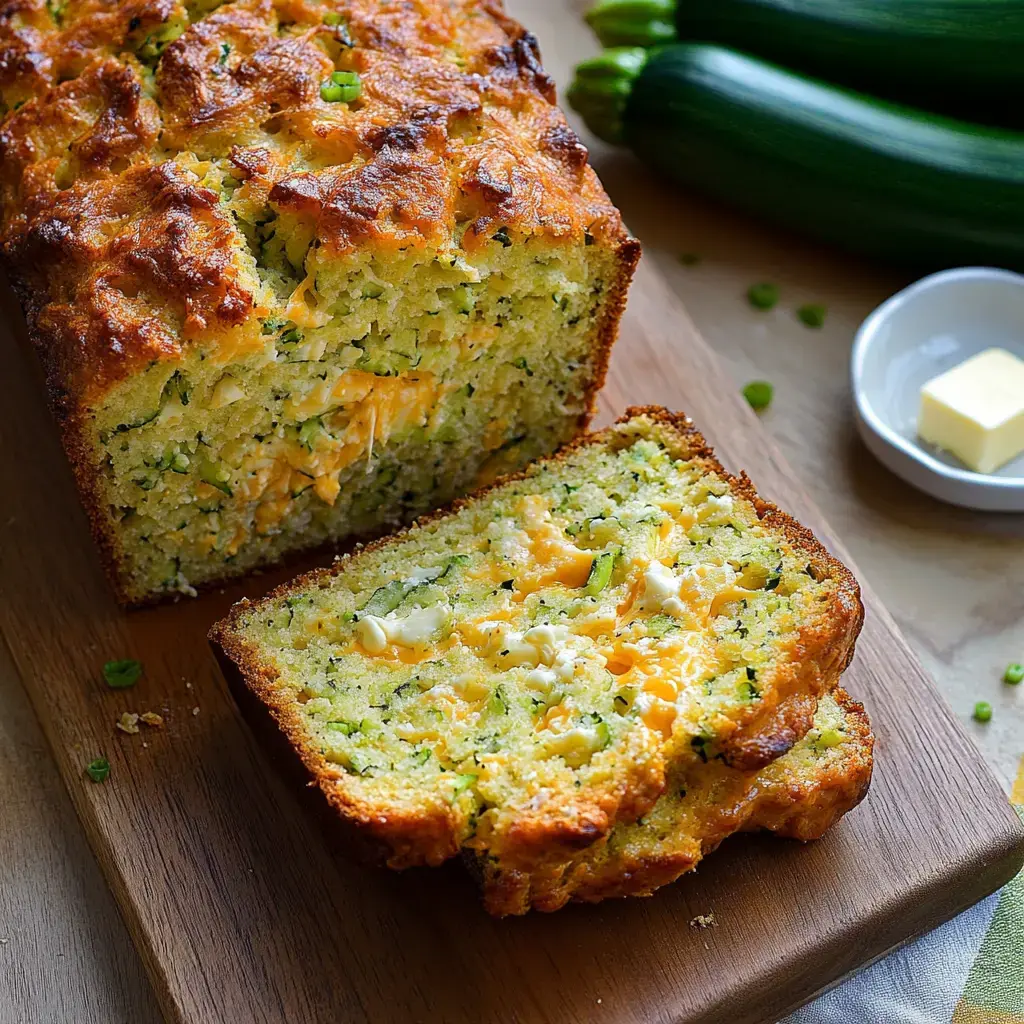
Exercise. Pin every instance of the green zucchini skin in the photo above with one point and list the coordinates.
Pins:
(959, 56)
(889, 181)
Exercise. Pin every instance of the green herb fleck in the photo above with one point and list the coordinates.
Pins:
(763, 296)
(122, 674)
(225, 50)
(983, 711)
(812, 315)
(759, 394)
(501, 235)
(98, 770)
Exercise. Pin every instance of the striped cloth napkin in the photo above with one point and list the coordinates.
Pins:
(969, 971)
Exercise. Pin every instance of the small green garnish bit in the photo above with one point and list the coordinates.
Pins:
(600, 573)
(1014, 673)
(341, 87)
(983, 711)
(98, 770)
(689, 259)
(763, 296)
(812, 315)
(758, 394)
(122, 674)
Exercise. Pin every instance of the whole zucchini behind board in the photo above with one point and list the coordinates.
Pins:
(889, 181)
(960, 56)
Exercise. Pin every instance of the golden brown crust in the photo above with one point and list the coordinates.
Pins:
(826, 647)
(787, 800)
(121, 257)
(127, 258)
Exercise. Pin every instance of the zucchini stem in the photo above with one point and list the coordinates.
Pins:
(601, 88)
(633, 22)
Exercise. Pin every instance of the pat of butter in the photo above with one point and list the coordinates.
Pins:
(976, 410)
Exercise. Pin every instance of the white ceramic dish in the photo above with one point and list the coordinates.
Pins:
(922, 331)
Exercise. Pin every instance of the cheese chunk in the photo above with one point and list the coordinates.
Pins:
(976, 410)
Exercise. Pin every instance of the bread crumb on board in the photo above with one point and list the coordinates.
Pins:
(704, 920)
(128, 722)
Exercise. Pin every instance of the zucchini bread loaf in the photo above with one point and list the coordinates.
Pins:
(520, 674)
(296, 270)
(801, 795)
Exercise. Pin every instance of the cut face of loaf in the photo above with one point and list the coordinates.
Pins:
(297, 271)
(802, 794)
(521, 673)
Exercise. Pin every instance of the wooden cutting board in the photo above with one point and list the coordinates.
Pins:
(243, 914)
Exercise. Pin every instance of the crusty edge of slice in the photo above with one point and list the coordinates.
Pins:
(778, 801)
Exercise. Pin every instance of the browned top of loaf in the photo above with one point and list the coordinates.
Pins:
(122, 256)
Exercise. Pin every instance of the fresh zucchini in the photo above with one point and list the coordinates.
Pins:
(877, 178)
(958, 56)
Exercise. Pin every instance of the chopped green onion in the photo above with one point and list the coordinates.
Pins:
(763, 296)
(983, 711)
(1014, 674)
(122, 674)
(332, 18)
(812, 315)
(341, 87)
(98, 770)
(759, 394)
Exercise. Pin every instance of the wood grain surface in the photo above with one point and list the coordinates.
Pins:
(242, 913)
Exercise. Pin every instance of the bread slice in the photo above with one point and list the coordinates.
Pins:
(524, 671)
(802, 794)
(296, 271)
